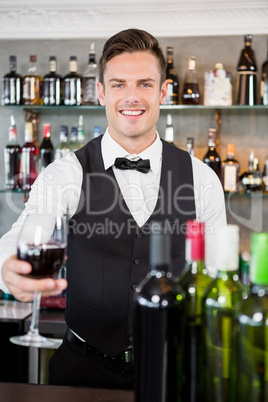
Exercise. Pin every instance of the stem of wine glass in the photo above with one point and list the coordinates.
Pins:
(34, 327)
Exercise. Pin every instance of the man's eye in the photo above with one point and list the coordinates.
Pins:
(117, 85)
(146, 85)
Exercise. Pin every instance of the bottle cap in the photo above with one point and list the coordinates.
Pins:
(227, 248)
(160, 245)
(230, 149)
(258, 271)
(195, 240)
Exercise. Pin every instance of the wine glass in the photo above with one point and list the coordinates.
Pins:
(42, 242)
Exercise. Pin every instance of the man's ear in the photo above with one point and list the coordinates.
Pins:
(163, 93)
(101, 94)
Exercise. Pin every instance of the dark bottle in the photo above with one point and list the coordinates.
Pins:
(252, 329)
(212, 158)
(230, 171)
(173, 80)
(264, 81)
(12, 84)
(52, 84)
(247, 77)
(12, 153)
(251, 180)
(169, 131)
(193, 281)
(72, 85)
(158, 323)
(190, 93)
(90, 79)
(32, 84)
(190, 145)
(46, 149)
(220, 302)
(29, 156)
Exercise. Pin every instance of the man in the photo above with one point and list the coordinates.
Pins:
(111, 206)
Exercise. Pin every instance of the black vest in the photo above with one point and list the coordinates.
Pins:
(107, 251)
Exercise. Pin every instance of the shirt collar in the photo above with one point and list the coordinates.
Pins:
(111, 150)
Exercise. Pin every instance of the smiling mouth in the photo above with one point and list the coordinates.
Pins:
(132, 112)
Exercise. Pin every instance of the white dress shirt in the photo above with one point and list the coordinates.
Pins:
(57, 190)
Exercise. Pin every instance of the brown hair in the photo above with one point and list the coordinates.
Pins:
(132, 40)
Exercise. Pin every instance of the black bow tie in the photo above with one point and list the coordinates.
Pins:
(141, 165)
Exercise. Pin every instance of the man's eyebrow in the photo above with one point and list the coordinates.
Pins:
(140, 81)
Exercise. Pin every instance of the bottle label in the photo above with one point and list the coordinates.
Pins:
(230, 175)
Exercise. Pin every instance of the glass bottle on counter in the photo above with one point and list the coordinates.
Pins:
(46, 150)
(52, 84)
(72, 84)
(212, 158)
(62, 148)
(190, 145)
(32, 84)
(169, 131)
(12, 152)
(251, 180)
(190, 93)
(90, 79)
(173, 80)
(230, 171)
(29, 159)
(264, 81)
(12, 84)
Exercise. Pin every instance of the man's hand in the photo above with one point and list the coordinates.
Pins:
(22, 287)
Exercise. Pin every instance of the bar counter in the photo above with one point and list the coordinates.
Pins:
(18, 392)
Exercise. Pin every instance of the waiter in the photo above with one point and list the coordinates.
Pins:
(112, 189)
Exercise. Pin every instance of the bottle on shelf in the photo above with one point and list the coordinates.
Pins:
(247, 75)
(220, 301)
(169, 131)
(230, 171)
(158, 319)
(46, 149)
(12, 152)
(12, 84)
(265, 177)
(90, 79)
(212, 158)
(63, 147)
(32, 84)
(190, 92)
(173, 80)
(193, 281)
(252, 328)
(29, 158)
(218, 87)
(52, 84)
(73, 145)
(251, 180)
(80, 132)
(190, 145)
(264, 81)
(96, 131)
(72, 84)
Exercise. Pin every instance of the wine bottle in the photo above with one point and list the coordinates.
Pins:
(169, 131)
(264, 81)
(62, 148)
(265, 176)
(230, 171)
(193, 281)
(220, 301)
(12, 84)
(52, 84)
(12, 152)
(251, 180)
(46, 150)
(247, 75)
(173, 80)
(158, 323)
(190, 93)
(252, 329)
(190, 145)
(72, 84)
(29, 157)
(32, 84)
(90, 79)
(212, 158)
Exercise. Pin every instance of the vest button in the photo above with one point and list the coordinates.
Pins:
(139, 235)
(137, 261)
(134, 287)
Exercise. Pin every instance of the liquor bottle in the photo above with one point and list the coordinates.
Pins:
(252, 328)
(212, 158)
(72, 84)
(193, 281)
(220, 302)
(169, 131)
(264, 81)
(190, 93)
(158, 320)
(12, 84)
(73, 145)
(32, 85)
(190, 145)
(96, 131)
(265, 177)
(247, 75)
(52, 84)
(12, 153)
(173, 80)
(46, 149)
(230, 171)
(90, 79)
(251, 180)
(29, 156)
(80, 132)
(62, 148)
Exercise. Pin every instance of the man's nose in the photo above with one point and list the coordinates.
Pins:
(132, 94)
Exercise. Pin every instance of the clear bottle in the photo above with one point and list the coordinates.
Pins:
(29, 159)
(158, 318)
(72, 84)
(169, 131)
(190, 92)
(12, 152)
(80, 132)
(252, 329)
(264, 81)
(212, 158)
(52, 84)
(32, 84)
(173, 80)
(230, 171)
(247, 75)
(46, 150)
(90, 79)
(12, 84)
(190, 145)
(73, 145)
(63, 147)
(193, 281)
(220, 302)
(251, 180)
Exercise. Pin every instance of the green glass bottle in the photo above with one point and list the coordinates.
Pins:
(252, 329)
(220, 301)
(194, 280)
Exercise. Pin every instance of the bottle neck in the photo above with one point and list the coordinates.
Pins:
(73, 66)
(225, 274)
(13, 67)
(260, 290)
(12, 135)
(92, 58)
(28, 134)
(52, 66)
(160, 270)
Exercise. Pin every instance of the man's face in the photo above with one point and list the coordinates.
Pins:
(132, 95)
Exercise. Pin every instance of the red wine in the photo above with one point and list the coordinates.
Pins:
(46, 260)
